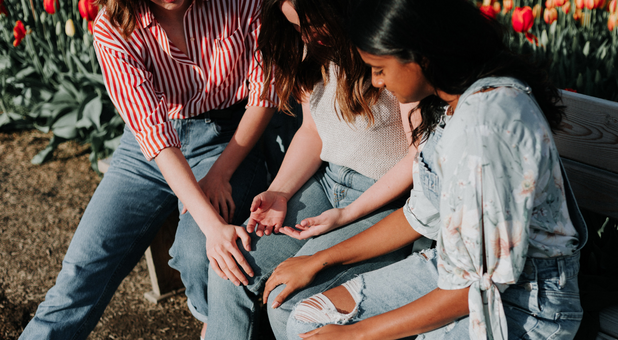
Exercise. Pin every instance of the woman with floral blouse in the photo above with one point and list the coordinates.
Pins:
(489, 189)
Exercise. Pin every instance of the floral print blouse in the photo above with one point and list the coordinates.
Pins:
(501, 197)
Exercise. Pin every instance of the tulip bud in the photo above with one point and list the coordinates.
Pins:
(579, 4)
(549, 4)
(566, 8)
(508, 5)
(87, 9)
(559, 3)
(50, 6)
(612, 7)
(19, 32)
(69, 28)
(522, 19)
(488, 11)
(3, 10)
(550, 15)
(58, 28)
(544, 38)
(586, 49)
(497, 7)
(536, 11)
(611, 22)
(43, 16)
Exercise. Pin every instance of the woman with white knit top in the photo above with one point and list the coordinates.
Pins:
(348, 166)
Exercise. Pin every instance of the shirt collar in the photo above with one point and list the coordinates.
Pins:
(145, 16)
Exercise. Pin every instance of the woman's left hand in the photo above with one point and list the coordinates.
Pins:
(314, 226)
(333, 332)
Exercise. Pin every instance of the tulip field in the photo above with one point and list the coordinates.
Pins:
(50, 79)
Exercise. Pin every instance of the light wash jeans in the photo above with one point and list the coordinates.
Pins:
(543, 304)
(121, 220)
(235, 310)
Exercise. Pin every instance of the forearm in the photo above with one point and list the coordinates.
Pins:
(180, 178)
(391, 233)
(249, 130)
(394, 184)
(436, 309)
(301, 160)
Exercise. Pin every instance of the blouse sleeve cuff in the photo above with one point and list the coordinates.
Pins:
(155, 138)
(423, 217)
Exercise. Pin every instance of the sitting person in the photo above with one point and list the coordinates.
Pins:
(489, 188)
(346, 167)
(185, 77)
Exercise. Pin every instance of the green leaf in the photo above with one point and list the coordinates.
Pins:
(25, 73)
(93, 111)
(65, 126)
(112, 144)
(46, 153)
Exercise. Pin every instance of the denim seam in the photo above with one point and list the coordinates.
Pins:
(121, 263)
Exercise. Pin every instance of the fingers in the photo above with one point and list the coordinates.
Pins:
(184, 210)
(281, 297)
(244, 238)
(251, 224)
(223, 210)
(257, 201)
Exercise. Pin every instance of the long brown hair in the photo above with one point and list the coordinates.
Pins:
(297, 67)
(123, 14)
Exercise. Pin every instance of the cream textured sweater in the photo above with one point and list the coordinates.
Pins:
(368, 150)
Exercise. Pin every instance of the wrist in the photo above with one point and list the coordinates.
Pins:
(321, 260)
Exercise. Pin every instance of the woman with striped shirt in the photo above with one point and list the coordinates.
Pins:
(185, 77)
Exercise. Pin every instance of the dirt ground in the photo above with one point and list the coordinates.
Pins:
(40, 207)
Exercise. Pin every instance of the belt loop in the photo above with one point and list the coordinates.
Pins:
(562, 272)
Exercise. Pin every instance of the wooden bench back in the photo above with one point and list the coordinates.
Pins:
(588, 145)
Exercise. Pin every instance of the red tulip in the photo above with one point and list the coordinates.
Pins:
(570, 90)
(87, 9)
(579, 4)
(566, 8)
(3, 10)
(19, 32)
(577, 15)
(488, 11)
(612, 6)
(559, 3)
(549, 4)
(550, 15)
(50, 6)
(522, 19)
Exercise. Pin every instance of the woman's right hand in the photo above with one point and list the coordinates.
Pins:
(295, 273)
(268, 211)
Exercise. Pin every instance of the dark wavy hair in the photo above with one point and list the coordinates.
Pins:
(454, 43)
(299, 61)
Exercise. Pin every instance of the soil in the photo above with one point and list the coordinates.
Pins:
(40, 207)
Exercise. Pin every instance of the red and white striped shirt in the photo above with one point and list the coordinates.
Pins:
(151, 81)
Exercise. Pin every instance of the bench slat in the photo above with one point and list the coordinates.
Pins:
(595, 189)
(590, 133)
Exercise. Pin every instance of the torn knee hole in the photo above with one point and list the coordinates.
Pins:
(320, 309)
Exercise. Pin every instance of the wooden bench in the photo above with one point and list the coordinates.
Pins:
(588, 146)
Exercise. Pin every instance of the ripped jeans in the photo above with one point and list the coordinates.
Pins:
(543, 304)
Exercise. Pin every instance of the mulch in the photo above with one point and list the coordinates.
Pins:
(40, 208)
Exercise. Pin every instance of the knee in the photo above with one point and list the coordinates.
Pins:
(319, 310)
